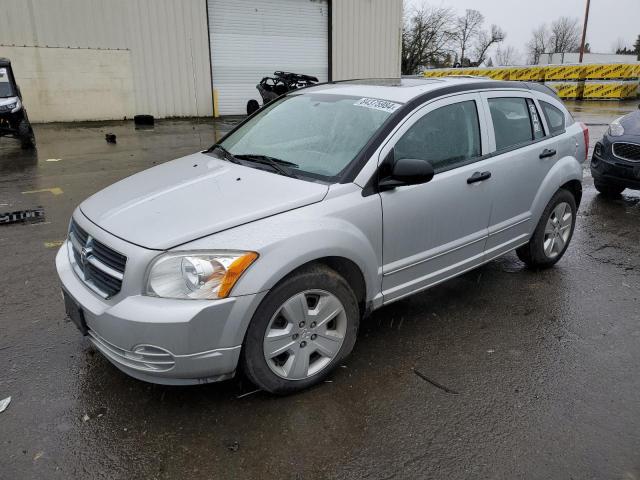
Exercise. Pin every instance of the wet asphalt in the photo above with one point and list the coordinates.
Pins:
(522, 374)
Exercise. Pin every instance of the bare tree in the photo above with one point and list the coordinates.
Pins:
(539, 44)
(468, 28)
(618, 45)
(426, 37)
(485, 41)
(507, 56)
(565, 35)
(562, 36)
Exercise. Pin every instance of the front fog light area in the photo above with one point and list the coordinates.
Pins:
(197, 275)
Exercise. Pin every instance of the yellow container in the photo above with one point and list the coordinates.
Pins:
(564, 72)
(500, 73)
(516, 72)
(528, 74)
(610, 89)
(569, 89)
(610, 71)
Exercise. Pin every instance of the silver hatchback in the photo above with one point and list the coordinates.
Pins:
(265, 251)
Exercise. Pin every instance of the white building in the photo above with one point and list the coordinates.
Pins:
(109, 59)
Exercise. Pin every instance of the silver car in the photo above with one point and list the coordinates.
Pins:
(264, 252)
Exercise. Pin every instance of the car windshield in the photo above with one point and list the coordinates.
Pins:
(6, 90)
(319, 133)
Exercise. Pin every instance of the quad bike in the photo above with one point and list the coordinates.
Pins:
(271, 88)
(13, 116)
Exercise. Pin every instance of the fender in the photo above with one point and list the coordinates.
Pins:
(565, 169)
(331, 228)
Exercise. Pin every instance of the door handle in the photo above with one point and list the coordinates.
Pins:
(547, 152)
(478, 177)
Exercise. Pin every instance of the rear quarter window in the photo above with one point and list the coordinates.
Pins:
(555, 117)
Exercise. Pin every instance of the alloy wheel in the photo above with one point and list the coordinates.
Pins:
(557, 230)
(305, 334)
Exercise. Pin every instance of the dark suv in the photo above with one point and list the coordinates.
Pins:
(615, 164)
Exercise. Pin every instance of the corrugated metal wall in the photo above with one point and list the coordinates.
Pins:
(169, 45)
(167, 38)
(251, 39)
(366, 38)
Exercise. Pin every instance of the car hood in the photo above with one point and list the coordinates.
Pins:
(193, 197)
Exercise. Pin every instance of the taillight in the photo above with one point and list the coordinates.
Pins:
(585, 132)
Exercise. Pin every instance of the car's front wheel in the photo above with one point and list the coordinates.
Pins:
(553, 232)
(26, 135)
(301, 331)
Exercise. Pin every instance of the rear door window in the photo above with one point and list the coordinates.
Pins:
(511, 122)
(554, 116)
(447, 137)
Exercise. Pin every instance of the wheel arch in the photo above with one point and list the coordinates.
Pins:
(566, 173)
(347, 269)
(575, 188)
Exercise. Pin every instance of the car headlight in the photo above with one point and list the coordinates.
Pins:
(197, 275)
(14, 107)
(616, 129)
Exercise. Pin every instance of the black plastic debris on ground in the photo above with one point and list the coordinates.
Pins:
(110, 137)
(33, 215)
(147, 120)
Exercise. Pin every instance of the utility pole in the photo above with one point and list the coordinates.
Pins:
(584, 30)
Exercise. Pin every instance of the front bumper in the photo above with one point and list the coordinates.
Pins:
(173, 342)
(615, 172)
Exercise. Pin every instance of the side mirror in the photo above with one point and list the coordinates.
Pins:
(407, 171)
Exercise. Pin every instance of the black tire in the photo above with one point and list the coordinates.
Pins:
(253, 362)
(26, 135)
(145, 120)
(533, 254)
(608, 189)
(252, 106)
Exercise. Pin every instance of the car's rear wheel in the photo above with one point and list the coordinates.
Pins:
(301, 331)
(553, 232)
(607, 189)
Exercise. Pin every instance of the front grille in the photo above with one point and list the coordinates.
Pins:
(627, 151)
(99, 266)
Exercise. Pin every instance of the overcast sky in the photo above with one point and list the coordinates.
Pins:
(608, 20)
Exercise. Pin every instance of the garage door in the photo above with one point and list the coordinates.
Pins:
(251, 39)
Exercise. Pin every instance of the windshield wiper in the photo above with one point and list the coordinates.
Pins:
(227, 155)
(277, 164)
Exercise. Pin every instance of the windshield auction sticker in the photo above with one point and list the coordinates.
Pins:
(376, 104)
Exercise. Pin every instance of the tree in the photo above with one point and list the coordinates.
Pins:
(619, 45)
(507, 56)
(467, 30)
(565, 35)
(636, 47)
(538, 44)
(562, 36)
(427, 36)
(485, 41)
(472, 40)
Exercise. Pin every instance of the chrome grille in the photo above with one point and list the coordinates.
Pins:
(99, 266)
(627, 151)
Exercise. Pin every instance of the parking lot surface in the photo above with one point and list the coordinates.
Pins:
(501, 373)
